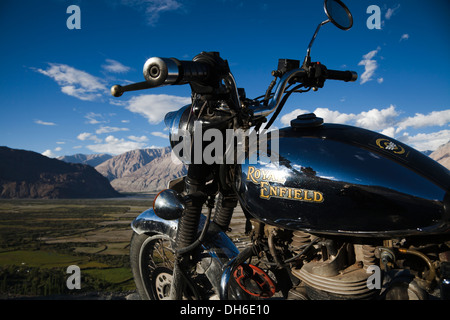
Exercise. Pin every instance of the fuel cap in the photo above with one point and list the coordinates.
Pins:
(308, 120)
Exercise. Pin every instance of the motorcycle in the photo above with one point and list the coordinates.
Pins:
(343, 213)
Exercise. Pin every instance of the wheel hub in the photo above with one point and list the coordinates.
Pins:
(163, 282)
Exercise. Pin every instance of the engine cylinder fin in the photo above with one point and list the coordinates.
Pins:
(368, 255)
(351, 283)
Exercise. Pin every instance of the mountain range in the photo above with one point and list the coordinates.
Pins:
(90, 159)
(143, 170)
(27, 174)
(442, 155)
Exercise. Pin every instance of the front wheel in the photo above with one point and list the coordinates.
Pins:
(152, 260)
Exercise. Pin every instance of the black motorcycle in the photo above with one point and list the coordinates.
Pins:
(332, 211)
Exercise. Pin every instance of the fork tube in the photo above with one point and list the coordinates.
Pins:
(188, 226)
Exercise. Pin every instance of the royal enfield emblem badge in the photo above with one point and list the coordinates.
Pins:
(388, 145)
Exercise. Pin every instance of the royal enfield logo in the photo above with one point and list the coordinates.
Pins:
(390, 146)
(264, 177)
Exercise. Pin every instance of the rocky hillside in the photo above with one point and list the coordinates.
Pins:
(144, 170)
(89, 159)
(27, 174)
(442, 155)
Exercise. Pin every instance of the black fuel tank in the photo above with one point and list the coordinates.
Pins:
(342, 180)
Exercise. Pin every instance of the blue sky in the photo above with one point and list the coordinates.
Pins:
(55, 81)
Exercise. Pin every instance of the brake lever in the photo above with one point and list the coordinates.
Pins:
(118, 90)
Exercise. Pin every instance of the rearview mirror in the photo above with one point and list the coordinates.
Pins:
(339, 14)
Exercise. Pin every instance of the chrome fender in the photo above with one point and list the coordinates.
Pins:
(149, 222)
(215, 252)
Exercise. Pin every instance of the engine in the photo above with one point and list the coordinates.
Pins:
(322, 268)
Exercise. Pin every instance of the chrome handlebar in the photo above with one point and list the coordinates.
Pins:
(262, 110)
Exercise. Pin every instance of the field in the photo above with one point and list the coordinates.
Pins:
(39, 239)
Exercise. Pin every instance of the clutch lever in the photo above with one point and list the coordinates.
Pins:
(118, 90)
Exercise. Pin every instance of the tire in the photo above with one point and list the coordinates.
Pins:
(152, 259)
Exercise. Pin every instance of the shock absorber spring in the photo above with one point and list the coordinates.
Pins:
(188, 223)
(300, 239)
(224, 209)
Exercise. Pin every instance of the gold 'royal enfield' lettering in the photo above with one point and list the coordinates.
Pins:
(264, 177)
(257, 175)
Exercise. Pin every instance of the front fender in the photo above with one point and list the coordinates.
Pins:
(216, 250)
(216, 240)
(149, 222)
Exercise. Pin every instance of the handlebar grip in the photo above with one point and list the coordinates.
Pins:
(194, 71)
(342, 75)
(168, 71)
(159, 71)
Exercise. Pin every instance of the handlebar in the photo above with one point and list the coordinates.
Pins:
(206, 69)
(167, 71)
(341, 75)
(299, 75)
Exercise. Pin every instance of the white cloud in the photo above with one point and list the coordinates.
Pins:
(373, 119)
(155, 107)
(286, 119)
(44, 123)
(369, 64)
(48, 153)
(377, 119)
(434, 118)
(334, 116)
(115, 66)
(106, 129)
(116, 146)
(74, 82)
(380, 80)
(88, 136)
(93, 118)
(138, 139)
(391, 11)
(153, 8)
(161, 135)
(426, 141)
(390, 132)
(404, 37)
(388, 122)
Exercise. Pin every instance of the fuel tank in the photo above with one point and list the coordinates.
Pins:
(341, 180)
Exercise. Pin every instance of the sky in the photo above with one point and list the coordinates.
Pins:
(57, 70)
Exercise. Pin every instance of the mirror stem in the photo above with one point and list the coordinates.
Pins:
(308, 51)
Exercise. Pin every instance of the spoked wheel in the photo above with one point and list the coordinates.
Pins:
(152, 260)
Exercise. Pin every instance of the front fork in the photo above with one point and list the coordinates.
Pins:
(188, 224)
